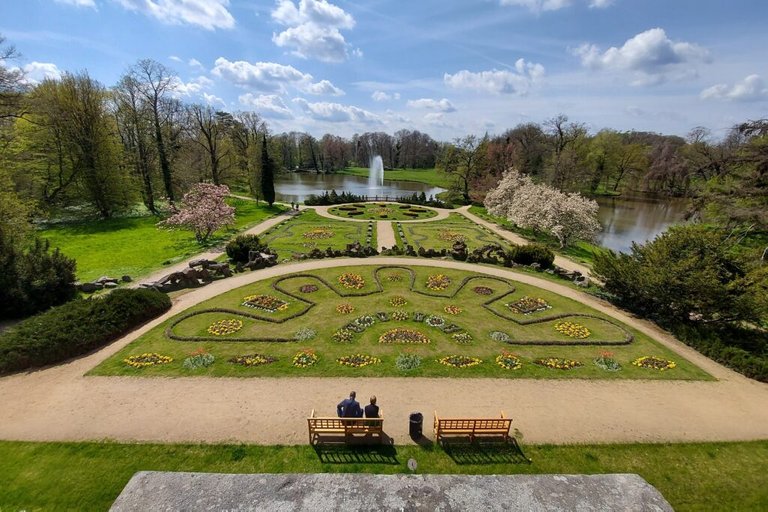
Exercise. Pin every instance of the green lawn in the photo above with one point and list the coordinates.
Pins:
(441, 234)
(89, 476)
(303, 233)
(318, 310)
(583, 252)
(382, 211)
(432, 177)
(135, 246)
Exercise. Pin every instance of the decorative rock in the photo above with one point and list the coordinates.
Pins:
(126, 279)
(110, 284)
(89, 287)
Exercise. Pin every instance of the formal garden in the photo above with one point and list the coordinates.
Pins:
(442, 234)
(382, 211)
(396, 321)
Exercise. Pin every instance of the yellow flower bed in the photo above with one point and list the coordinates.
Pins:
(352, 281)
(573, 330)
(319, 234)
(654, 363)
(147, 359)
(457, 361)
(452, 310)
(438, 282)
(252, 360)
(226, 326)
(509, 361)
(358, 360)
(451, 236)
(267, 303)
(398, 301)
(557, 363)
(345, 308)
(305, 358)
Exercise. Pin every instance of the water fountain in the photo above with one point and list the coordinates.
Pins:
(376, 172)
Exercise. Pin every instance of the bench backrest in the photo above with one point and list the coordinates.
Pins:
(474, 423)
(333, 422)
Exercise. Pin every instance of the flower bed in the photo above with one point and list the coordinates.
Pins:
(268, 303)
(527, 305)
(305, 358)
(304, 334)
(319, 234)
(438, 282)
(509, 361)
(358, 360)
(482, 290)
(308, 288)
(457, 361)
(395, 277)
(148, 359)
(500, 336)
(452, 309)
(401, 335)
(557, 363)
(435, 321)
(398, 301)
(449, 236)
(462, 337)
(406, 362)
(606, 362)
(352, 281)
(198, 359)
(225, 327)
(572, 330)
(250, 360)
(654, 363)
(345, 308)
(364, 321)
(343, 336)
(400, 316)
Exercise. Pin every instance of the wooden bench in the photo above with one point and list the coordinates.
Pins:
(472, 427)
(348, 427)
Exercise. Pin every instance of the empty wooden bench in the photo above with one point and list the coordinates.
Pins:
(348, 427)
(472, 427)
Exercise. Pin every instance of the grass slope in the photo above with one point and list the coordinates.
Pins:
(89, 476)
(324, 318)
(135, 246)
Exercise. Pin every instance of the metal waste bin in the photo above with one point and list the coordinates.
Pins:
(416, 420)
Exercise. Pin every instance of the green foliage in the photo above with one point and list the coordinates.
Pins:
(267, 174)
(34, 280)
(77, 327)
(239, 247)
(201, 360)
(532, 253)
(405, 362)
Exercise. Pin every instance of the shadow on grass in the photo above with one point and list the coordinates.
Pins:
(487, 451)
(356, 454)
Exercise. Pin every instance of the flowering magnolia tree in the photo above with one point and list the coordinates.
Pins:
(566, 216)
(202, 210)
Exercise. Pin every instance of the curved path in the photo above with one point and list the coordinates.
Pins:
(442, 213)
(60, 403)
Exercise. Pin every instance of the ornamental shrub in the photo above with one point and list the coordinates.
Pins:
(405, 362)
(532, 253)
(240, 247)
(77, 327)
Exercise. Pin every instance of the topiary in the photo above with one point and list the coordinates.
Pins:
(239, 248)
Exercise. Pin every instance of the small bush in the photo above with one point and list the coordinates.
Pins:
(199, 360)
(405, 362)
(532, 253)
(240, 247)
(77, 327)
(304, 334)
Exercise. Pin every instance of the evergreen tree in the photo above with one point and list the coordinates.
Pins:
(267, 174)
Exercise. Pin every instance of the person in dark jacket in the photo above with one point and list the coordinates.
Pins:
(349, 407)
(372, 410)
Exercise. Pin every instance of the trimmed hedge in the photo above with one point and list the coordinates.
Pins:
(532, 253)
(77, 327)
(239, 248)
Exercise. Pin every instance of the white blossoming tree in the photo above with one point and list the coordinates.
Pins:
(567, 217)
(203, 211)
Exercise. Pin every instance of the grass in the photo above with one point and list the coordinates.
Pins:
(89, 476)
(288, 238)
(583, 252)
(323, 317)
(433, 176)
(135, 246)
(382, 211)
(441, 234)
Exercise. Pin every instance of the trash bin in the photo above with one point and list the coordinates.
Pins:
(416, 422)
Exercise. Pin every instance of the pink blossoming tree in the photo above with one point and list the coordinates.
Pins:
(202, 210)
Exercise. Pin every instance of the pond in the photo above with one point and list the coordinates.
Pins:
(297, 186)
(636, 219)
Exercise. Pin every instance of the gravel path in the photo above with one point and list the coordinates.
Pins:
(60, 403)
(442, 213)
(385, 235)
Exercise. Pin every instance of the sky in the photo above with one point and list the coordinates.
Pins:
(448, 68)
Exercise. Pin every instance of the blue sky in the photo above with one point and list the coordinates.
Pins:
(447, 67)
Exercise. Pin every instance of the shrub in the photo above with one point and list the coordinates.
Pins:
(77, 327)
(405, 362)
(240, 247)
(532, 253)
(304, 334)
(199, 359)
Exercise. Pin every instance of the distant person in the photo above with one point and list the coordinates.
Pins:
(349, 407)
(372, 410)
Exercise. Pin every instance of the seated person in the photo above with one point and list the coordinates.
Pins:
(372, 410)
(349, 407)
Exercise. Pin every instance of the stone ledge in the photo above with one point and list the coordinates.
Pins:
(149, 490)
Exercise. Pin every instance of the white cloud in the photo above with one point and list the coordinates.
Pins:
(271, 77)
(600, 4)
(313, 29)
(383, 96)
(195, 64)
(213, 100)
(78, 3)
(268, 105)
(442, 105)
(36, 72)
(175, 58)
(209, 14)
(498, 81)
(191, 88)
(553, 5)
(336, 113)
(752, 88)
(651, 55)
